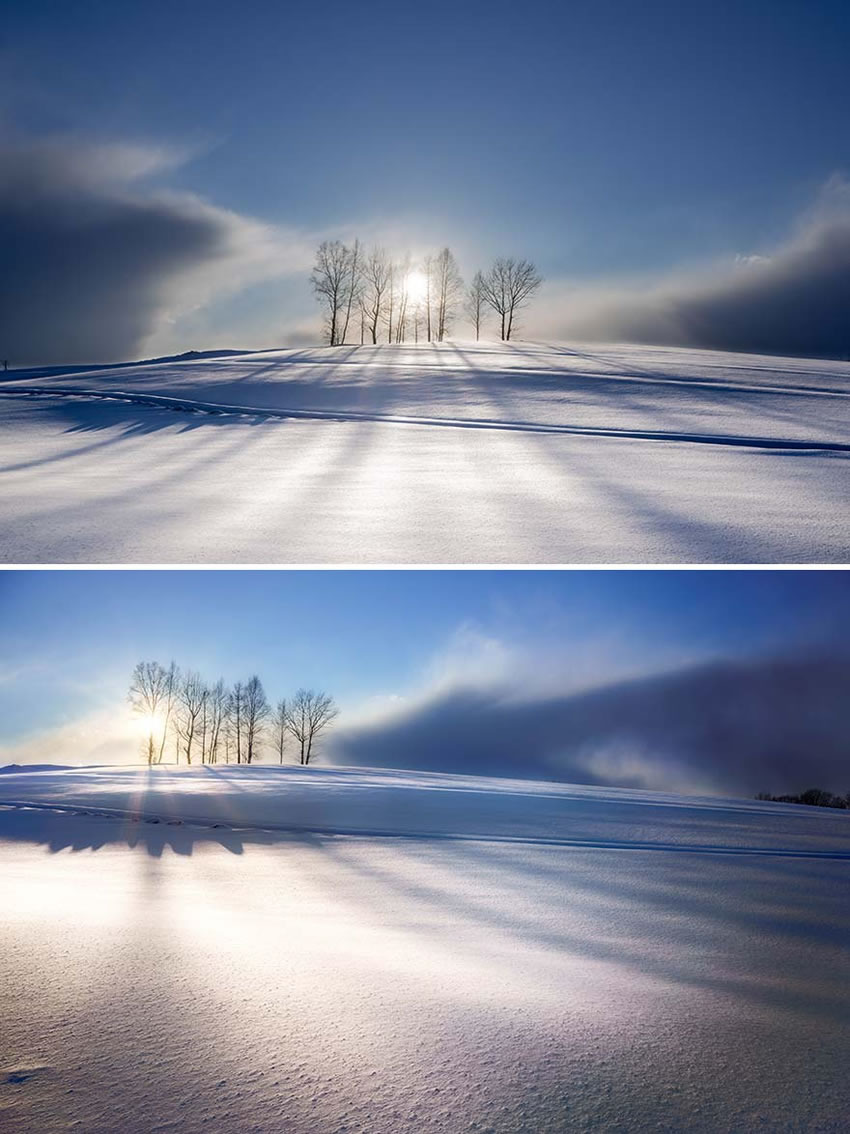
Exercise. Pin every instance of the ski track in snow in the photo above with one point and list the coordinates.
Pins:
(169, 976)
(446, 453)
(295, 829)
(183, 405)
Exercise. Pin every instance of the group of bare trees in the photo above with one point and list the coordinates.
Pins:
(367, 295)
(186, 718)
(506, 288)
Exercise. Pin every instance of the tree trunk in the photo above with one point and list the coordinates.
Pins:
(350, 296)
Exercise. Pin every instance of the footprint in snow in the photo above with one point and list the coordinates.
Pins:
(16, 1075)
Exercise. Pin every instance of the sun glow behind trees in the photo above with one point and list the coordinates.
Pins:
(365, 296)
(416, 286)
(177, 712)
(147, 724)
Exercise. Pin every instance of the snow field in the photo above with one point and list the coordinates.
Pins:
(182, 975)
(443, 453)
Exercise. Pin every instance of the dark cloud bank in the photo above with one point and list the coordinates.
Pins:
(94, 259)
(83, 258)
(795, 302)
(732, 727)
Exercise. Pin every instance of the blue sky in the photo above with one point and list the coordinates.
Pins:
(599, 138)
(71, 638)
(638, 133)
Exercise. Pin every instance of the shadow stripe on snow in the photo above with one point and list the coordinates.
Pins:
(82, 810)
(184, 405)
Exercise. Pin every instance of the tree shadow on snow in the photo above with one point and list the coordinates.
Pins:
(75, 829)
(769, 932)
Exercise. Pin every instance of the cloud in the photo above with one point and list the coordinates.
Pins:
(793, 301)
(772, 724)
(95, 261)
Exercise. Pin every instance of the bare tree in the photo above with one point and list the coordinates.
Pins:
(256, 712)
(390, 302)
(448, 285)
(308, 714)
(203, 727)
(281, 728)
(475, 302)
(228, 733)
(376, 282)
(428, 273)
(353, 284)
(403, 276)
(235, 714)
(333, 281)
(151, 695)
(218, 698)
(508, 286)
(191, 699)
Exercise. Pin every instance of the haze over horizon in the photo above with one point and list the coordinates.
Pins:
(677, 177)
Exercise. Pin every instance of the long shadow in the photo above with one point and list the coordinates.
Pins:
(634, 941)
(76, 828)
(70, 418)
(160, 473)
(495, 392)
(676, 523)
(684, 920)
(255, 415)
(53, 458)
(628, 368)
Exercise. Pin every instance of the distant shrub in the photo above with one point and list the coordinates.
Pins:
(813, 797)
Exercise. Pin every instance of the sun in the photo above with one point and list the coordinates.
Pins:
(416, 286)
(147, 724)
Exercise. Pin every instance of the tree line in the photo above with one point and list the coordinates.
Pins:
(187, 718)
(814, 797)
(368, 296)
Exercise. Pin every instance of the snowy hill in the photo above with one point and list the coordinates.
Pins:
(472, 954)
(453, 452)
(401, 804)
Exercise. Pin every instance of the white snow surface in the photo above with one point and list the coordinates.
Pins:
(450, 453)
(329, 950)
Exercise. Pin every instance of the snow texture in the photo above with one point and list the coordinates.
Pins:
(203, 950)
(449, 453)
